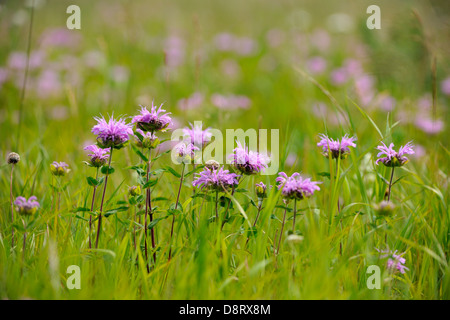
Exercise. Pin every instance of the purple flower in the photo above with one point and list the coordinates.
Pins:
(248, 162)
(153, 120)
(185, 152)
(98, 156)
(59, 168)
(230, 102)
(261, 190)
(215, 179)
(316, 65)
(295, 186)
(445, 86)
(428, 125)
(196, 135)
(26, 207)
(337, 148)
(112, 134)
(393, 158)
(192, 102)
(395, 261)
(146, 140)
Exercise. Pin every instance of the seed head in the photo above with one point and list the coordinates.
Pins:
(13, 158)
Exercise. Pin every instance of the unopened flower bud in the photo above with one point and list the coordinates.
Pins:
(134, 191)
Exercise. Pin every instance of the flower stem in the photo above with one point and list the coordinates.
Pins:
(92, 210)
(390, 184)
(281, 232)
(176, 207)
(99, 227)
(12, 208)
(295, 213)
(148, 211)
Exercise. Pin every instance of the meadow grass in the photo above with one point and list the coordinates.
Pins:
(340, 229)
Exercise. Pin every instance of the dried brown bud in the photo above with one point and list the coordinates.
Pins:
(13, 158)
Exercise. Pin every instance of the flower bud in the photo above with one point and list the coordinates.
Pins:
(134, 191)
(385, 208)
(260, 189)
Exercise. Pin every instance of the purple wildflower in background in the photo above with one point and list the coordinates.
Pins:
(248, 162)
(112, 134)
(430, 126)
(98, 156)
(393, 158)
(26, 207)
(445, 86)
(215, 179)
(192, 102)
(395, 261)
(337, 148)
(154, 120)
(59, 168)
(185, 152)
(295, 186)
(197, 135)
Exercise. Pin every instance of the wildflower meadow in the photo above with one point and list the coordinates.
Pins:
(224, 150)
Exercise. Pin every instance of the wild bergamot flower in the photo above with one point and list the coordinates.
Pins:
(98, 156)
(112, 133)
(59, 168)
(26, 207)
(215, 179)
(393, 158)
(248, 162)
(154, 120)
(335, 147)
(295, 186)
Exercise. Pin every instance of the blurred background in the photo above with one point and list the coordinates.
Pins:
(233, 64)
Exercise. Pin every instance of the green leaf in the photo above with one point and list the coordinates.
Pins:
(92, 182)
(173, 172)
(150, 183)
(81, 209)
(107, 170)
(152, 224)
(115, 210)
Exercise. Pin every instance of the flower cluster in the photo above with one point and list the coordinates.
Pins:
(154, 120)
(98, 156)
(335, 147)
(248, 162)
(112, 133)
(59, 168)
(196, 135)
(393, 158)
(395, 261)
(26, 207)
(185, 152)
(215, 179)
(295, 186)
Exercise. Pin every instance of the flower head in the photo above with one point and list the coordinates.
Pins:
(98, 156)
(248, 162)
(295, 186)
(185, 152)
(26, 207)
(261, 190)
(337, 148)
(153, 120)
(196, 135)
(134, 191)
(112, 134)
(13, 158)
(393, 158)
(215, 179)
(146, 140)
(59, 168)
(395, 261)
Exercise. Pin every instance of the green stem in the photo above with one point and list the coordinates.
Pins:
(99, 227)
